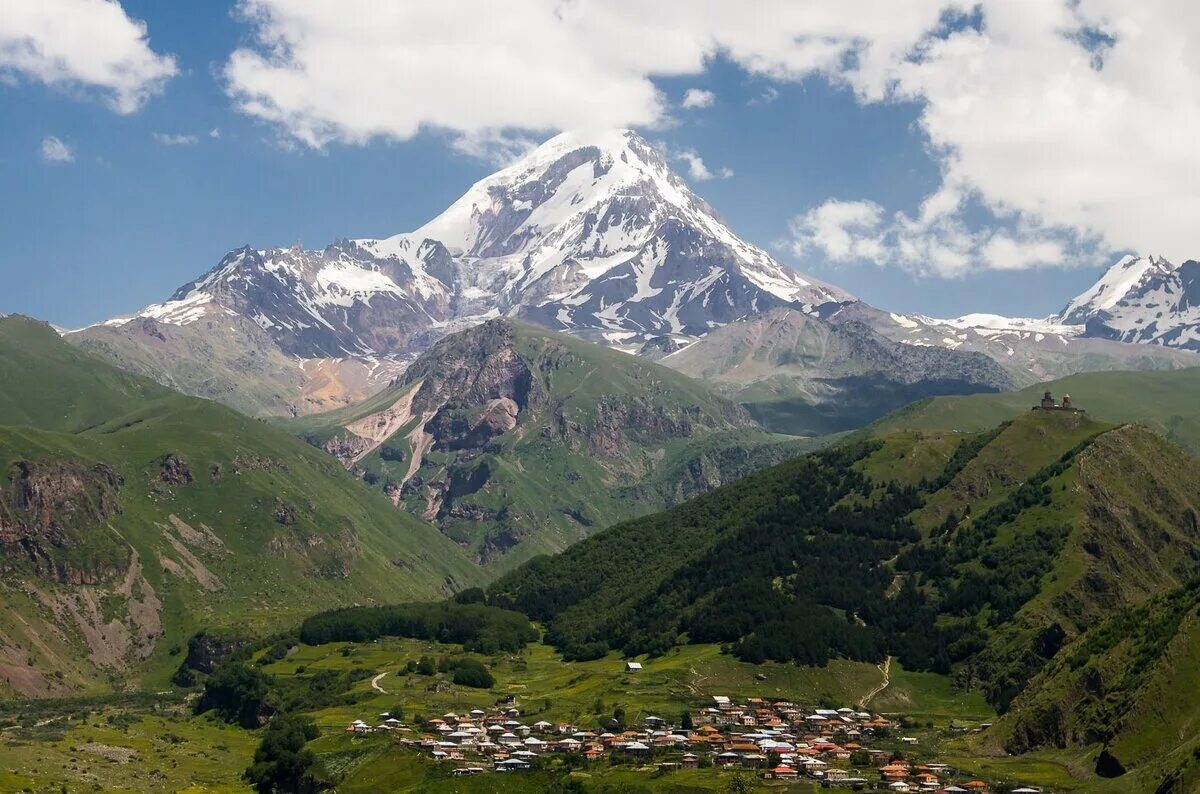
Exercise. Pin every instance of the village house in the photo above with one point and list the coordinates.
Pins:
(776, 738)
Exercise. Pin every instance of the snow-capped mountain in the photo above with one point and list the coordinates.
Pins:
(590, 233)
(1142, 299)
(1031, 350)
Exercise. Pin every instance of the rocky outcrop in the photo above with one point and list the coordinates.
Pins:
(284, 513)
(207, 650)
(174, 470)
(492, 412)
(347, 447)
(50, 508)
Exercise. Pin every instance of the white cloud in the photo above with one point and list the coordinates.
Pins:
(82, 44)
(215, 132)
(53, 150)
(937, 242)
(497, 148)
(697, 169)
(698, 98)
(359, 70)
(1070, 119)
(842, 230)
(1005, 252)
(172, 139)
(1073, 121)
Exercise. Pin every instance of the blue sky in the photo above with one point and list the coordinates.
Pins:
(132, 217)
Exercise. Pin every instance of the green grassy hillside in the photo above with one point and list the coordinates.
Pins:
(1163, 400)
(49, 385)
(518, 441)
(131, 516)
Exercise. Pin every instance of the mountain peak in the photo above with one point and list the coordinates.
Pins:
(1142, 299)
(606, 139)
(1126, 275)
(591, 233)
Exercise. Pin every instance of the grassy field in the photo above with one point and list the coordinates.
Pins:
(551, 689)
(1165, 400)
(117, 744)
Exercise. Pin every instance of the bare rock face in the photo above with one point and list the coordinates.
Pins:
(347, 447)
(499, 416)
(206, 650)
(51, 508)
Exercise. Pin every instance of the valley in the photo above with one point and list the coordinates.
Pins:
(576, 449)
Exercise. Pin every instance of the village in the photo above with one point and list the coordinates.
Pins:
(768, 738)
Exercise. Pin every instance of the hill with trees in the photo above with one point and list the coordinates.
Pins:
(983, 556)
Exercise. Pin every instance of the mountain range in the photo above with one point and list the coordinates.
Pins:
(593, 235)
(566, 389)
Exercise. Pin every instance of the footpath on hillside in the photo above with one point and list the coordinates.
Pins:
(886, 669)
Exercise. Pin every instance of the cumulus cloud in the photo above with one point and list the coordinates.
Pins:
(88, 45)
(176, 139)
(936, 242)
(54, 150)
(693, 164)
(1067, 120)
(841, 230)
(358, 70)
(696, 167)
(698, 98)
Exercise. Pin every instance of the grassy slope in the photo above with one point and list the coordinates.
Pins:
(343, 544)
(1125, 589)
(1163, 400)
(545, 490)
(52, 386)
(645, 552)
(224, 358)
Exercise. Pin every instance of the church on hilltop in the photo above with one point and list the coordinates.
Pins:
(1048, 404)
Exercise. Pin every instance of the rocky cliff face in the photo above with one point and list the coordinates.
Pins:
(52, 515)
(514, 440)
